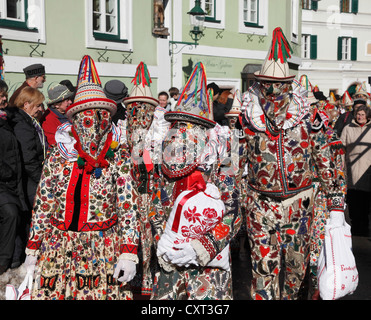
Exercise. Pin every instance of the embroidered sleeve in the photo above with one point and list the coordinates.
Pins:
(44, 206)
(161, 206)
(329, 163)
(211, 244)
(127, 208)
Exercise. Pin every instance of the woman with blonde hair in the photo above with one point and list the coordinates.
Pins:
(32, 145)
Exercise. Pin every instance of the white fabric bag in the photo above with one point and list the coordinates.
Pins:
(24, 290)
(195, 217)
(337, 271)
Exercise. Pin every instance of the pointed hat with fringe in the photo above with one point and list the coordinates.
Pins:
(193, 103)
(89, 93)
(346, 99)
(361, 89)
(304, 81)
(141, 91)
(275, 66)
(236, 105)
(332, 99)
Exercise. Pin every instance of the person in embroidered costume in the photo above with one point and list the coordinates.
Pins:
(143, 121)
(235, 131)
(320, 210)
(282, 144)
(84, 229)
(198, 214)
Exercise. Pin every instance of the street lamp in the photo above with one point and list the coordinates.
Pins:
(197, 19)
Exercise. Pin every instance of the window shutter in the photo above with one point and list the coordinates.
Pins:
(354, 6)
(353, 55)
(314, 5)
(341, 6)
(313, 47)
(340, 45)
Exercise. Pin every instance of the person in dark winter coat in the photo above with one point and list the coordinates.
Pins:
(31, 138)
(11, 194)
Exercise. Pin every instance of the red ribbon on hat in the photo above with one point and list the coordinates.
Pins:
(281, 48)
(195, 182)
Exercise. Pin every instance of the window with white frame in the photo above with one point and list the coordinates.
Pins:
(347, 48)
(109, 24)
(14, 14)
(305, 49)
(209, 8)
(309, 46)
(105, 17)
(215, 11)
(250, 12)
(23, 20)
(253, 17)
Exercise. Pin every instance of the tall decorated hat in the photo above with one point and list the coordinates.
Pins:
(346, 100)
(304, 81)
(141, 91)
(332, 99)
(193, 103)
(361, 89)
(275, 66)
(89, 93)
(236, 105)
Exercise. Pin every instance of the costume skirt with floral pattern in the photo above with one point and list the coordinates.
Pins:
(320, 216)
(79, 266)
(193, 284)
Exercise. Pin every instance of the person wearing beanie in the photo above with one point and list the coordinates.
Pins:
(283, 145)
(60, 98)
(35, 78)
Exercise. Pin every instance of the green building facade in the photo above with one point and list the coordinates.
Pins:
(119, 34)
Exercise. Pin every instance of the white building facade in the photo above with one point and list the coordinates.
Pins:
(336, 43)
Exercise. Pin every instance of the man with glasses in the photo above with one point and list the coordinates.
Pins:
(35, 78)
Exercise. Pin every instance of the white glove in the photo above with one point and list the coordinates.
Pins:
(183, 255)
(30, 263)
(164, 245)
(128, 267)
(337, 218)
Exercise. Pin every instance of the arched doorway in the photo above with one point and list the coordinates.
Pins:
(247, 75)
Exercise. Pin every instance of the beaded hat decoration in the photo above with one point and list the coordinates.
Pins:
(193, 103)
(89, 93)
(141, 91)
(275, 66)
